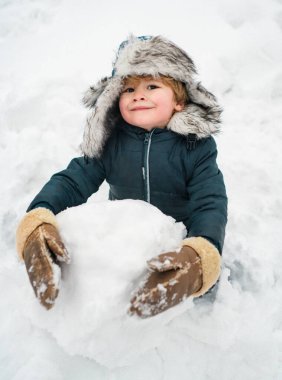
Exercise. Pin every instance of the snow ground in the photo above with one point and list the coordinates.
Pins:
(51, 51)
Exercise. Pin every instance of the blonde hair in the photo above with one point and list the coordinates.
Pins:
(178, 88)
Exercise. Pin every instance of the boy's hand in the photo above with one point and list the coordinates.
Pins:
(174, 277)
(42, 253)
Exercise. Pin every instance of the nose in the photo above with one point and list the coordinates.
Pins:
(138, 95)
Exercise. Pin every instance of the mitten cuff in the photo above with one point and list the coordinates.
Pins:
(210, 260)
(29, 223)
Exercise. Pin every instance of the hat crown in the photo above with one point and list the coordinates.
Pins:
(153, 55)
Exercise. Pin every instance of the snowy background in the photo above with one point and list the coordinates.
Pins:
(50, 52)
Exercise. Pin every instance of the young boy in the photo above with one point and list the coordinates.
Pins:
(150, 137)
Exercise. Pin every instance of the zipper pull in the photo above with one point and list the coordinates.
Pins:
(147, 137)
(143, 172)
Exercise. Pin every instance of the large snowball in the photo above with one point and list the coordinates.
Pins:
(109, 243)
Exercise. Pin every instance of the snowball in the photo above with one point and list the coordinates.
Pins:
(109, 243)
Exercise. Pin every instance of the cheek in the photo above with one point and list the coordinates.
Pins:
(123, 108)
(166, 101)
(121, 105)
(168, 106)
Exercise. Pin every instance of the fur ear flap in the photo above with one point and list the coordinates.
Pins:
(197, 120)
(198, 94)
(92, 94)
(99, 124)
(200, 117)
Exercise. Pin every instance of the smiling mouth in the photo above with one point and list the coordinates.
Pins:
(141, 108)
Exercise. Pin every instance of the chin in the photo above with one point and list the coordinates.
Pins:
(141, 123)
(145, 123)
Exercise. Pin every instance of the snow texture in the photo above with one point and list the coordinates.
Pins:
(51, 51)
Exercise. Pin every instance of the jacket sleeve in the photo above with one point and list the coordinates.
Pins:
(207, 195)
(72, 186)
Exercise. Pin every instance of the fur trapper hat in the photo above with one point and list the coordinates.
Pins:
(140, 56)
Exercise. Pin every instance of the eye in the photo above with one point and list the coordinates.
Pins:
(152, 86)
(128, 89)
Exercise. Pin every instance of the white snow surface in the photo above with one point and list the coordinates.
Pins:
(51, 51)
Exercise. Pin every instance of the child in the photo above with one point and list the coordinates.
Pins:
(150, 137)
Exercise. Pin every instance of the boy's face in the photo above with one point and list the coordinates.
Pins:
(147, 103)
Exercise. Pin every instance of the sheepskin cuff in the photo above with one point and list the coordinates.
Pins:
(210, 259)
(29, 223)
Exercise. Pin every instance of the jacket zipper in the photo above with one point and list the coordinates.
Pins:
(146, 165)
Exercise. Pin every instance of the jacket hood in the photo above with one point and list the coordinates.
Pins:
(155, 56)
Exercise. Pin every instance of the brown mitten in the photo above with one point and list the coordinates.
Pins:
(174, 277)
(42, 253)
(40, 246)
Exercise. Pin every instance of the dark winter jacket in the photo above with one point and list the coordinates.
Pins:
(158, 167)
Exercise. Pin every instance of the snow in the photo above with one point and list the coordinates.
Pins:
(51, 51)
